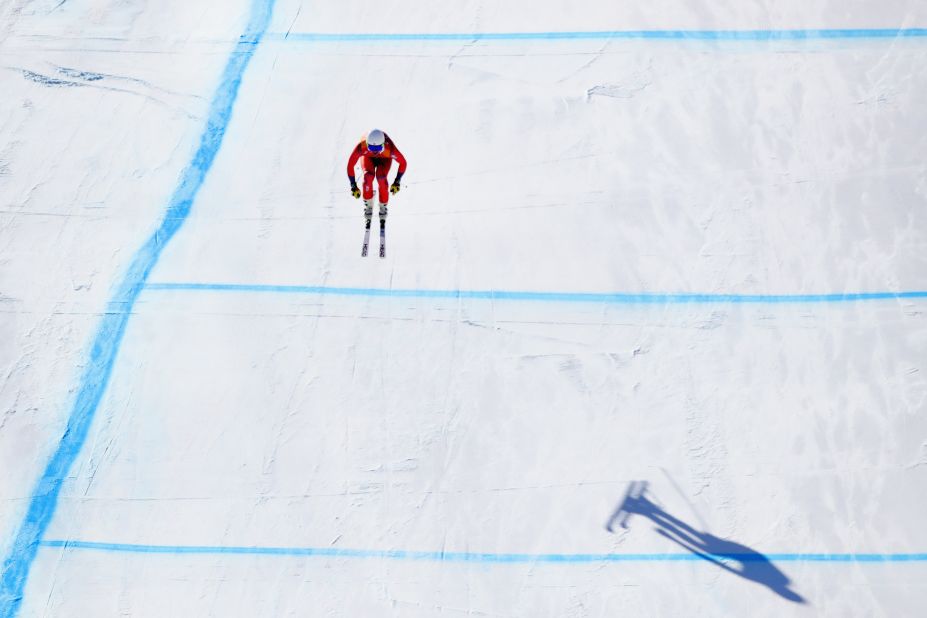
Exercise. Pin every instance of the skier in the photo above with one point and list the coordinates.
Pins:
(378, 152)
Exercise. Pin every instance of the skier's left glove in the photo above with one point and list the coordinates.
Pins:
(394, 188)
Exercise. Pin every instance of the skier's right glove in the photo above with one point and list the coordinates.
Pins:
(354, 190)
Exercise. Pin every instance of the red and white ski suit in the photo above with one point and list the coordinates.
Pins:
(376, 165)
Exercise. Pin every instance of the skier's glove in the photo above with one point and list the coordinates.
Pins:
(354, 190)
(394, 188)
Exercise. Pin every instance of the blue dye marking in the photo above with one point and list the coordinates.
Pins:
(446, 556)
(110, 332)
(664, 35)
(569, 297)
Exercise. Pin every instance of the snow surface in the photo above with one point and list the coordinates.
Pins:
(496, 436)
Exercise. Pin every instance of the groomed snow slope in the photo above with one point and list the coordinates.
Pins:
(605, 272)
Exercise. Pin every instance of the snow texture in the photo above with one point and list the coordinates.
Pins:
(650, 338)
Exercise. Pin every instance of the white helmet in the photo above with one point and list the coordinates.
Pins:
(375, 140)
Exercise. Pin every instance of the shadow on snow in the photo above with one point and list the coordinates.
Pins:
(728, 555)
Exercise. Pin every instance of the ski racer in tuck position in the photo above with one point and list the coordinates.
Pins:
(378, 152)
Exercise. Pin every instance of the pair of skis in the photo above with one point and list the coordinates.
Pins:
(367, 238)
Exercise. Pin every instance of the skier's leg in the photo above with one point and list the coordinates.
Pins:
(369, 174)
(368, 186)
(368, 192)
(384, 200)
(382, 169)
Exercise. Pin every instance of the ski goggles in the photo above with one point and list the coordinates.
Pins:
(375, 149)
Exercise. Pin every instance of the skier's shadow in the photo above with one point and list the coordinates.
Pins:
(728, 555)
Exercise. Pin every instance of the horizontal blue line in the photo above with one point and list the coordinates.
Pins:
(445, 556)
(570, 297)
(671, 35)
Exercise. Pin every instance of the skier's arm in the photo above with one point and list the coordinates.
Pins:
(401, 160)
(352, 161)
(402, 168)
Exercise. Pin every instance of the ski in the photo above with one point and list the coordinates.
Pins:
(382, 238)
(366, 238)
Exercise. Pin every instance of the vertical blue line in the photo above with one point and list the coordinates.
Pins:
(109, 335)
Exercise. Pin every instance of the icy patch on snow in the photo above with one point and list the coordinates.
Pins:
(625, 89)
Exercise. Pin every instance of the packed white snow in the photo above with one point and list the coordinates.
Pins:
(488, 443)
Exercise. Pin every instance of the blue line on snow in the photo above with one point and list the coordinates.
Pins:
(450, 556)
(570, 297)
(665, 35)
(109, 335)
